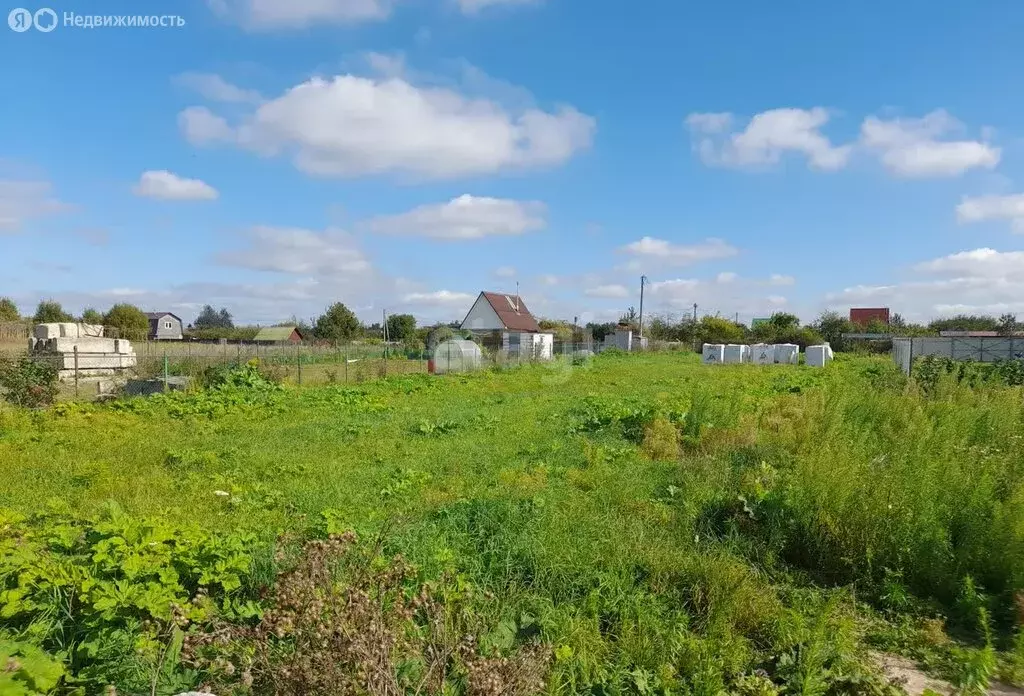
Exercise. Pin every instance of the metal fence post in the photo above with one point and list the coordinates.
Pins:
(76, 371)
(238, 362)
(345, 358)
(165, 369)
(298, 361)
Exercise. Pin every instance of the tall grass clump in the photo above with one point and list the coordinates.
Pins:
(926, 486)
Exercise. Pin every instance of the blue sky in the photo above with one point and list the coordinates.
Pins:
(273, 157)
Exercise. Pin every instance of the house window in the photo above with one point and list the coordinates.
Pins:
(167, 324)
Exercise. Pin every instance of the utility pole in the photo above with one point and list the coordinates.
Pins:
(643, 281)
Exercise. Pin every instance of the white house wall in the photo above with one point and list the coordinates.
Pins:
(482, 317)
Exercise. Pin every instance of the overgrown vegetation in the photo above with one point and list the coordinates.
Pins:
(648, 526)
(28, 381)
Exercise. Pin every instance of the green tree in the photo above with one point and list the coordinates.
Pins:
(50, 311)
(599, 331)
(439, 334)
(8, 310)
(831, 326)
(719, 330)
(401, 327)
(337, 323)
(965, 322)
(783, 321)
(91, 316)
(562, 330)
(1007, 324)
(876, 326)
(631, 318)
(210, 318)
(130, 321)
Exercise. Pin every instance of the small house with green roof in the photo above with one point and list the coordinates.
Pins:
(278, 334)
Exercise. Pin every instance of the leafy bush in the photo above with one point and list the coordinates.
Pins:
(8, 310)
(50, 311)
(109, 592)
(130, 321)
(28, 381)
(929, 370)
(25, 670)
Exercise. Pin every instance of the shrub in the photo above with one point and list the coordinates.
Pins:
(130, 321)
(50, 311)
(661, 440)
(28, 381)
(9, 310)
(26, 670)
(377, 632)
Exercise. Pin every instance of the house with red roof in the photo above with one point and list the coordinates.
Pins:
(504, 322)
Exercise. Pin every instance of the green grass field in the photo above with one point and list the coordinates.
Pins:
(650, 525)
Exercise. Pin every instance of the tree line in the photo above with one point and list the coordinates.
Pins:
(786, 328)
(338, 324)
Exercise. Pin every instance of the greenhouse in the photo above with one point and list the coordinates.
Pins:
(455, 355)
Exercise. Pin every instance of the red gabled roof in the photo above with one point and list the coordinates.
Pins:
(515, 316)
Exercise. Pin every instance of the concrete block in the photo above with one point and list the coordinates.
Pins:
(32, 343)
(762, 354)
(735, 353)
(84, 345)
(787, 354)
(90, 330)
(45, 331)
(818, 356)
(68, 330)
(98, 362)
(713, 354)
(69, 375)
(123, 346)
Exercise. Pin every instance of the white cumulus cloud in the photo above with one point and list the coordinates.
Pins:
(766, 139)
(164, 185)
(911, 147)
(439, 298)
(21, 201)
(661, 251)
(726, 293)
(981, 281)
(201, 126)
(300, 252)
(471, 7)
(607, 291)
(465, 217)
(350, 126)
(982, 208)
(216, 88)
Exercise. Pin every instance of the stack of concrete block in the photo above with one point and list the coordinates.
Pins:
(762, 354)
(818, 356)
(82, 347)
